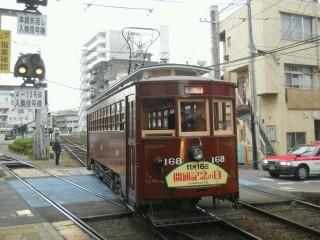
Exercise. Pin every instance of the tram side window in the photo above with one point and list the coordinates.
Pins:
(108, 121)
(223, 115)
(104, 119)
(117, 122)
(122, 115)
(100, 120)
(158, 116)
(94, 121)
(194, 116)
(112, 116)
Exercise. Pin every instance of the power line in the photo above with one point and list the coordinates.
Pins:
(229, 5)
(149, 10)
(233, 27)
(289, 46)
(71, 87)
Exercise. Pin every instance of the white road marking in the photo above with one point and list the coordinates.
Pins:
(287, 188)
(311, 181)
(267, 179)
(286, 183)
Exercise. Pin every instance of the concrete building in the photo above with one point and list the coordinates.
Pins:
(66, 121)
(104, 61)
(11, 116)
(101, 48)
(287, 80)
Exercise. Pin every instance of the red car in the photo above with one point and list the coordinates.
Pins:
(301, 162)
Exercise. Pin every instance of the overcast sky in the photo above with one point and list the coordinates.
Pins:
(71, 23)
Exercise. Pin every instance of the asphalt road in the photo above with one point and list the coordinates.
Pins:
(255, 178)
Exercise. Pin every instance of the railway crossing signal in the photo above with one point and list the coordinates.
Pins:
(30, 66)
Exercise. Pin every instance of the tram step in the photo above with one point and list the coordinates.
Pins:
(173, 218)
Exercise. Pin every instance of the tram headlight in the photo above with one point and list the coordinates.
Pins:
(158, 162)
(197, 153)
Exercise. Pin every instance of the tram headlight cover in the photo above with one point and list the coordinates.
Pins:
(197, 153)
(158, 162)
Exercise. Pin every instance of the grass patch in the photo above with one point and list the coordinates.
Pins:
(83, 136)
(23, 146)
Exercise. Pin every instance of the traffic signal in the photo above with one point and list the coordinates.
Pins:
(34, 2)
(30, 66)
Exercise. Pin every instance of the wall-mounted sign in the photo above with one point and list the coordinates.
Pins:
(32, 24)
(5, 49)
(196, 174)
(29, 98)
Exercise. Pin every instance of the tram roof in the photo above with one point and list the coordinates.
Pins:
(138, 75)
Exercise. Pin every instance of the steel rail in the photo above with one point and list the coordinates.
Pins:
(282, 219)
(243, 232)
(73, 154)
(285, 196)
(72, 183)
(85, 227)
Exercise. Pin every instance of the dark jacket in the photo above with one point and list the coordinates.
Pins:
(56, 147)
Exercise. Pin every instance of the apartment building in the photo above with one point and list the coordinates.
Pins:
(286, 40)
(66, 121)
(106, 60)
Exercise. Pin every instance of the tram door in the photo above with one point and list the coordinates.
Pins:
(131, 146)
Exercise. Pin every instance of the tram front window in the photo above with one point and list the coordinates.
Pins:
(158, 117)
(194, 116)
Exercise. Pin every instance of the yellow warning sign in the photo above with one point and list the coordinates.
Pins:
(5, 49)
(196, 174)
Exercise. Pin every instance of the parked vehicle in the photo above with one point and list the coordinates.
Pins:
(303, 161)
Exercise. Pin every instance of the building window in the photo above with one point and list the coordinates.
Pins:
(272, 133)
(294, 139)
(295, 27)
(298, 76)
(229, 41)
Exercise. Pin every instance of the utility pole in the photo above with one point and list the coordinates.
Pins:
(252, 80)
(214, 17)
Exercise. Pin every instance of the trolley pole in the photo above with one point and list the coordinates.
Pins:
(254, 122)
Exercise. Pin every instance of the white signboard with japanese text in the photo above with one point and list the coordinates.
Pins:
(32, 24)
(29, 98)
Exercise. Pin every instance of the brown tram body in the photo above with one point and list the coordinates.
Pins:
(143, 142)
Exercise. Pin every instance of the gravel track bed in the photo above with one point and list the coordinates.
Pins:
(124, 228)
(210, 231)
(270, 229)
(297, 213)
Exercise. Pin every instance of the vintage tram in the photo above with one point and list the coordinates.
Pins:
(165, 135)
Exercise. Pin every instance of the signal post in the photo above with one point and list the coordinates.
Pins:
(30, 67)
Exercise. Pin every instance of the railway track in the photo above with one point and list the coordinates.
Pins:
(289, 218)
(9, 164)
(75, 147)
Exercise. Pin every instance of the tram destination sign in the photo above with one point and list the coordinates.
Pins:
(32, 24)
(29, 98)
(196, 174)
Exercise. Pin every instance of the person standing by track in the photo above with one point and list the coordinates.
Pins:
(57, 149)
